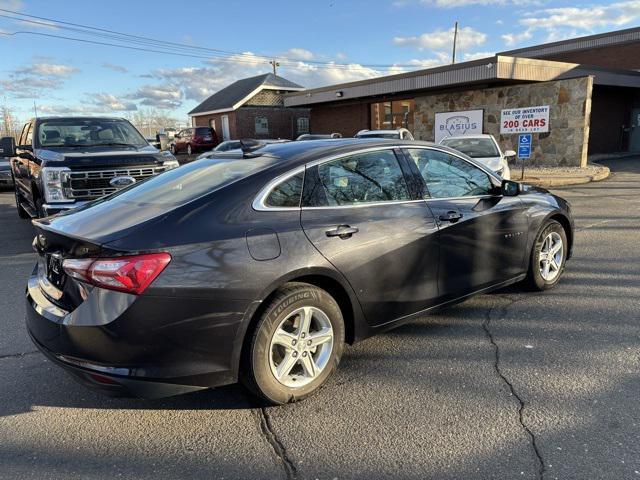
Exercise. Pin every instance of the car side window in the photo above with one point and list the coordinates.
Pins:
(447, 176)
(361, 178)
(29, 137)
(287, 193)
(23, 134)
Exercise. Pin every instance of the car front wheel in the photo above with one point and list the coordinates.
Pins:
(548, 257)
(296, 345)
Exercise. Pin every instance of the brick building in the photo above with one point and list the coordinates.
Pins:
(253, 108)
(590, 84)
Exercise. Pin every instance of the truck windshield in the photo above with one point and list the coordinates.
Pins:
(87, 132)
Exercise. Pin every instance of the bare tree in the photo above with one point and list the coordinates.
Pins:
(10, 126)
(152, 121)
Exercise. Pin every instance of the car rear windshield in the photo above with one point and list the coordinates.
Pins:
(473, 147)
(203, 131)
(69, 132)
(182, 185)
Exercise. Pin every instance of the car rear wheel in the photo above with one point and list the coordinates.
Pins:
(296, 345)
(548, 257)
(22, 213)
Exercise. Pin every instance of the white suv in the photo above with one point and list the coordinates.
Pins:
(484, 149)
(398, 134)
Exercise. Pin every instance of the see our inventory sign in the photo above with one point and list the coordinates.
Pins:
(525, 120)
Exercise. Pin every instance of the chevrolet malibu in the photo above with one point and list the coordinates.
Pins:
(261, 265)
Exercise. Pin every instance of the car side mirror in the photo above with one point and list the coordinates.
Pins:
(510, 188)
(509, 154)
(163, 141)
(176, 135)
(7, 147)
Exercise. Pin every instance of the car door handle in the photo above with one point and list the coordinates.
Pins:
(451, 216)
(342, 231)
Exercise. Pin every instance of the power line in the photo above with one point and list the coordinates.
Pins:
(166, 47)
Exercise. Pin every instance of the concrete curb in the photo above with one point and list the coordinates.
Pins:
(561, 180)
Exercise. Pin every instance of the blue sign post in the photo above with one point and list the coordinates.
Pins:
(524, 149)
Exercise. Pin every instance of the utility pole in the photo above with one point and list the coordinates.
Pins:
(455, 40)
(275, 64)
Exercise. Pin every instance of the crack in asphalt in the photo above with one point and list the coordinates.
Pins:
(290, 470)
(496, 349)
(18, 355)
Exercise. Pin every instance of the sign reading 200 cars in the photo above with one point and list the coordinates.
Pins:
(525, 120)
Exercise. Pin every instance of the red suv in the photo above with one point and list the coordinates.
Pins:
(192, 140)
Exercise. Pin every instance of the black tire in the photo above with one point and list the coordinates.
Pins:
(535, 279)
(22, 213)
(257, 370)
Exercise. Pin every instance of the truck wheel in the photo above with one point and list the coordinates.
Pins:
(296, 344)
(22, 213)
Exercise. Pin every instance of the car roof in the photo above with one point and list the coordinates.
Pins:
(293, 154)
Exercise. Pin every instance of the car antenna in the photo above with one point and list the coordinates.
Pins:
(249, 146)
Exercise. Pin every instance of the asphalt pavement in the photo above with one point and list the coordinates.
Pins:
(507, 385)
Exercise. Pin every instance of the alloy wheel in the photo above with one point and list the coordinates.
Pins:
(551, 256)
(301, 346)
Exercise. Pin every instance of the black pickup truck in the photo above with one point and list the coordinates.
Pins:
(60, 163)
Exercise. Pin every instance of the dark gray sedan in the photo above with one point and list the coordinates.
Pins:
(260, 265)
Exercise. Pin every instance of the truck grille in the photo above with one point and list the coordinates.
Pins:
(89, 185)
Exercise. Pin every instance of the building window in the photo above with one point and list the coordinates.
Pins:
(262, 126)
(392, 115)
(303, 125)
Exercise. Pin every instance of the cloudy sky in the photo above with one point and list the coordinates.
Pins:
(209, 44)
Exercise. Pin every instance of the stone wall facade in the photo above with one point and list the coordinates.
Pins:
(566, 143)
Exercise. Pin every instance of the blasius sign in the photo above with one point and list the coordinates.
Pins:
(454, 124)
(525, 120)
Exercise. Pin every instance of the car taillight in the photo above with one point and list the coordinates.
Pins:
(130, 274)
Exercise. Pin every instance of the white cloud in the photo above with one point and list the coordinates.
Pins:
(11, 4)
(36, 79)
(49, 69)
(167, 96)
(111, 103)
(514, 38)
(468, 3)
(299, 54)
(443, 39)
(566, 22)
(115, 67)
(478, 55)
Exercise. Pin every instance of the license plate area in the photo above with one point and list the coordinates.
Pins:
(50, 275)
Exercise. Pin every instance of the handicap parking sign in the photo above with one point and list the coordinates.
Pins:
(524, 145)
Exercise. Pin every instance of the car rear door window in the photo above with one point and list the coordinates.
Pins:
(447, 176)
(287, 193)
(357, 179)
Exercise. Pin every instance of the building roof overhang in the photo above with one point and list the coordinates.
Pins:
(492, 70)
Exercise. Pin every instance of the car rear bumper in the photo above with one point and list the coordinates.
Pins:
(139, 347)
